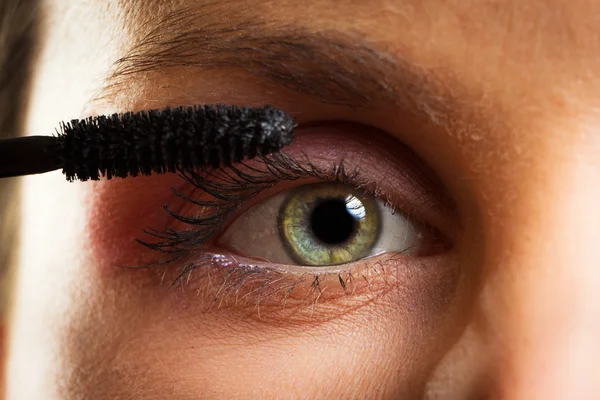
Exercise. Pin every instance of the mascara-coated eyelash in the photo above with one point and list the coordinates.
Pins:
(228, 189)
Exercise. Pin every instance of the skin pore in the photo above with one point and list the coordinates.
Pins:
(497, 99)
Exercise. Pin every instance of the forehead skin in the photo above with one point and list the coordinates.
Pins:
(515, 149)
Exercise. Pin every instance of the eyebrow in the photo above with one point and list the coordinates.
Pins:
(336, 67)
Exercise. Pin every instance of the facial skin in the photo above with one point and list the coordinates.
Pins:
(502, 108)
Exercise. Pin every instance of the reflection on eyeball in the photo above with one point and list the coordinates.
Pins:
(320, 224)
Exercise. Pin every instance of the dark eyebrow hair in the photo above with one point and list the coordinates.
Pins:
(337, 67)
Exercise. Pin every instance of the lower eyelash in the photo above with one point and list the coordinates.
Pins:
(223, 281)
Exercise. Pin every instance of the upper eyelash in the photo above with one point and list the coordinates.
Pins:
(229, 188)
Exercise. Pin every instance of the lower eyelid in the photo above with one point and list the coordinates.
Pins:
(270, 293)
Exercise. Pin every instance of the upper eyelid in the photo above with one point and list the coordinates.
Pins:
(225, 207)
(409, 187)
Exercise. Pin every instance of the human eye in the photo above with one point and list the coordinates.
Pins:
(322, 225)
(340, 218)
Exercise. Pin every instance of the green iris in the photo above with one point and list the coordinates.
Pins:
(328, 224)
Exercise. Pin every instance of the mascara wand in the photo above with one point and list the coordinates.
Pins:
(144, 142)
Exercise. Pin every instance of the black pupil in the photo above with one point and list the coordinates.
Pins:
(331, 222)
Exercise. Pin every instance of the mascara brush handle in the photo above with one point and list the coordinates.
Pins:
(27, 155)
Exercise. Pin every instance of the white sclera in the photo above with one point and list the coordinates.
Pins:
(255, 233)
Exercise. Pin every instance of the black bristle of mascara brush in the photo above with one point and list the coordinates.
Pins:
(162, 141)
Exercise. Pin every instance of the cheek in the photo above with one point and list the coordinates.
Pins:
(137, 338)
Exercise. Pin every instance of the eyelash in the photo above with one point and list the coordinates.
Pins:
(229, 188)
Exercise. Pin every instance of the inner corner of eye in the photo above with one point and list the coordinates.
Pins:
(320, 225)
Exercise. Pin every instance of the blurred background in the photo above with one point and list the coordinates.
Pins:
(18, 40)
